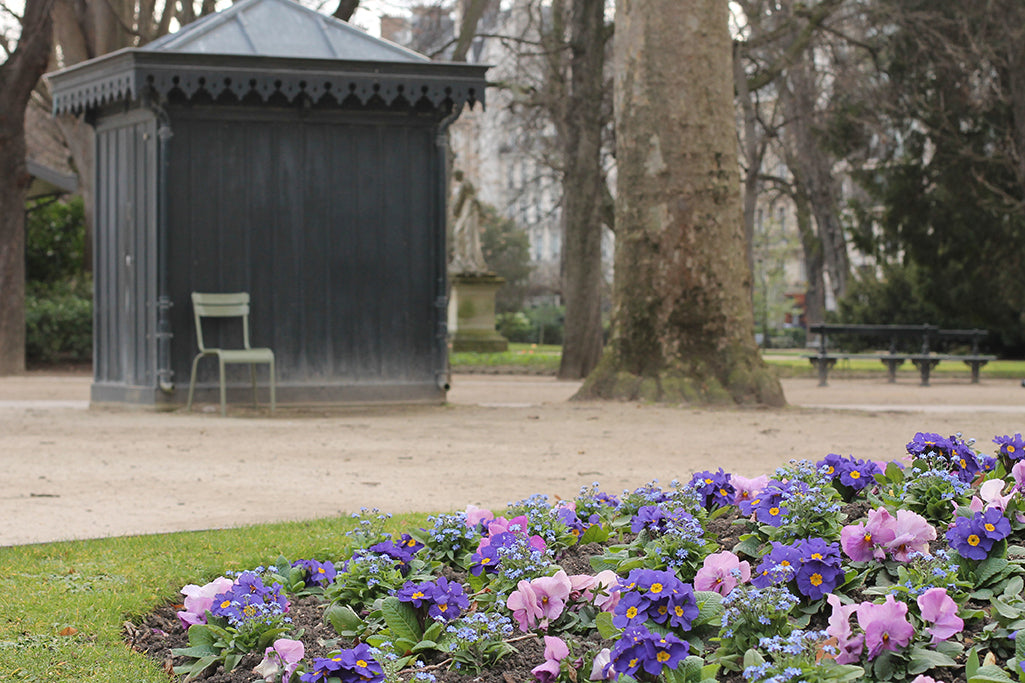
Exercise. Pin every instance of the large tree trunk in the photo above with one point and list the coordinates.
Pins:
(18, 77)
(582, 187)
(684, 327)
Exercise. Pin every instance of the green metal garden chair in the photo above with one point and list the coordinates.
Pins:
(234, 305)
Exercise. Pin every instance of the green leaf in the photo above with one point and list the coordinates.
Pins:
(748, 545)
(753, 658)
(434, 631)
(595, 534)
(677, 675)
(1014, 587)
(922, 660)
(1004, 609)
(709, 606)
(401, 619)
(605, 626)
(971, 662)
(989, 568)
(425, 645)
(691, 669)
(196, 668)
(1019, 646)
(232, 660)
(344, 620)
(990, 674)
(201, 634)
(196, 651)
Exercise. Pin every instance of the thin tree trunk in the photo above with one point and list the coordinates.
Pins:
(683, 313)
(815, 166)
(18, 78)
(582, 188)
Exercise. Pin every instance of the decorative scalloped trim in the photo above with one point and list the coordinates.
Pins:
(317, 87)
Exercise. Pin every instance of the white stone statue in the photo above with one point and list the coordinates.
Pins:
(467, 257)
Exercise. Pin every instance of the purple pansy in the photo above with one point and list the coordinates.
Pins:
(1010, 447)
(317, 573)
(714, 488)
(639, 649)
(779, 565)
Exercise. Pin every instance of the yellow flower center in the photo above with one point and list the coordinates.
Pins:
(973, 540)
(631, 612)
(361, 663)
(989, 527)
(662, 656)
(773, 511)
(816, 556)
(656, 588)
(226, 604)
(679, 611)
(1010, 448)
(815, 579)
(868, 538)
(855, 474)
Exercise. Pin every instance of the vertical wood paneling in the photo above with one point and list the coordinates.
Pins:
(327, 220)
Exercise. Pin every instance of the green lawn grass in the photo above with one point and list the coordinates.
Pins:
(787, 362)
(88, 589)
(542, 358)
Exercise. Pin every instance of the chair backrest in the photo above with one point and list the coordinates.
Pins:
(231, 305)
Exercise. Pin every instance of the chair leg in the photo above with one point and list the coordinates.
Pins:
(272, 399)
(192, 381)
(224, 402)
(252, 377)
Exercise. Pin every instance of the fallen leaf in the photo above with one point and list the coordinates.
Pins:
(68, 631)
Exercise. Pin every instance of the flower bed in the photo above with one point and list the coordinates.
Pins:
(837, 570)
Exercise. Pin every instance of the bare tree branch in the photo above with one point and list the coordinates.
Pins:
(345, 9)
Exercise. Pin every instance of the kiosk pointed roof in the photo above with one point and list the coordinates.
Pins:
(280, 28)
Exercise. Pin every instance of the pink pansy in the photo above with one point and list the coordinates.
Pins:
(476, 515)
(863, 542)
(839, 627)
(539, 600)
(605, 596)
(552, 593)
(721, 572)
(555, 651)
(913, 534)
(523, 602)
(198, 599)
(746, 489)
(922, 678)
(1018, 472)
(517, 525)
(280, 660)
(601, 660)
(940, 610)
(580, 586)
(886, 626)
(991, 493)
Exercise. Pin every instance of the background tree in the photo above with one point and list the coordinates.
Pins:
(947, 196)
(583, 186)
(19, 73)
(506, 250)
(682, 320)
(793, 60)
(553, 77)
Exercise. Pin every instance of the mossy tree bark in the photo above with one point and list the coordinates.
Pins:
(682, 304)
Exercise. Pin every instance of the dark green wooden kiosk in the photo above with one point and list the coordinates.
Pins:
(272, 150)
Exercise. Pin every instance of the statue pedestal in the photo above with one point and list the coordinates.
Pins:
(471, 314)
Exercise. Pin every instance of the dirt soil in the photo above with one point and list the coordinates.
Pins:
(72, 471)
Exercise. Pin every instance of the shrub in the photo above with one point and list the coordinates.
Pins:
(59, 322)
(55, 241)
